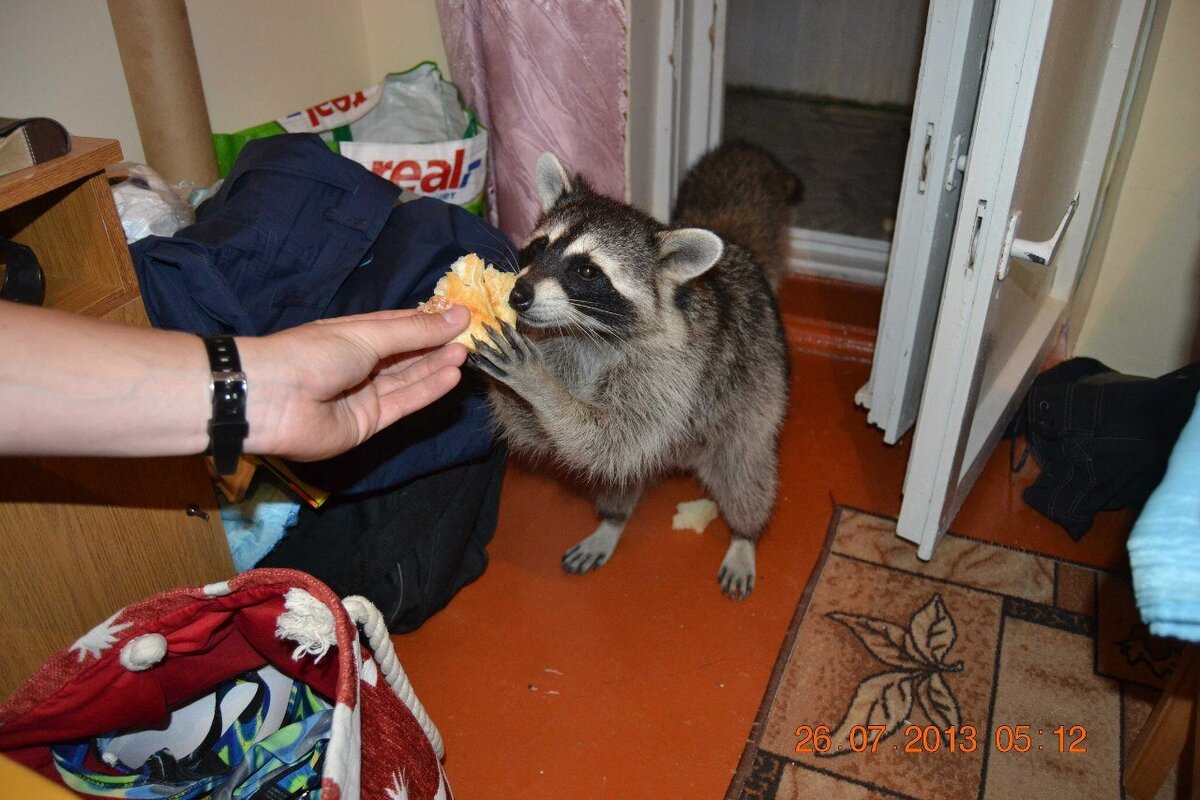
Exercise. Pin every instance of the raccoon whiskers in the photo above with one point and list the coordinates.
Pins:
(501, 249)
(576, 324)
(573, 320)
(595, 324)
(593, 307)
(575, 301)
(498, 256)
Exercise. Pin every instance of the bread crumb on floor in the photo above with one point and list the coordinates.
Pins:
(694, 515)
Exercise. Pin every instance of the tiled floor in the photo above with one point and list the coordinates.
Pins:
(640, 680)
(850, 158)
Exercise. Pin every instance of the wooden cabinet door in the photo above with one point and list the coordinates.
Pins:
(84, 537)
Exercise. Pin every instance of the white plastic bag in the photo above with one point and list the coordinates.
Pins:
(148, 205)
(412, 129)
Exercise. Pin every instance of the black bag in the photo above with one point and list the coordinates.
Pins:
(408, 550)
(1101, 438)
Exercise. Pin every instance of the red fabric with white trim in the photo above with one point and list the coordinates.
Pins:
(76, 694)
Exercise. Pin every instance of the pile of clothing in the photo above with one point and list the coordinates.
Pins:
(296, 233)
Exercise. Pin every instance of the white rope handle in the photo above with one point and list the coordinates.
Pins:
(367, 616)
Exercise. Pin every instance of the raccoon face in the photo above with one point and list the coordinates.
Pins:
(596, 264)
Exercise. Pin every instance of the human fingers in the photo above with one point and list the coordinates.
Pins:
(384, 314)
(448, 355)
(419, 369)
(406, 399)
(388, 337)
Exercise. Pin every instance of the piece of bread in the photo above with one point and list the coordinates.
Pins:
(482, 289)
(694, 515)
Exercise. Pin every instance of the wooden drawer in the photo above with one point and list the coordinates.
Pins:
(63, 209)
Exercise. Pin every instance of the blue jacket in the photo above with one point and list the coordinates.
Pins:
(298, 233)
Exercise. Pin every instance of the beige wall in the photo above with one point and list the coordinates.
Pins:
(401, 33)
(258, 60)
(1144, 316)
(58, 58)
(268, 58)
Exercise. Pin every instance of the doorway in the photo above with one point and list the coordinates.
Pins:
(828, 86)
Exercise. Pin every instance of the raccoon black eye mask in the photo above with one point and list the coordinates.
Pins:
(621, 384)
(532, 250)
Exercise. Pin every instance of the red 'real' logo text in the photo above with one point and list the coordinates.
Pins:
(434, 175)
(343, 104)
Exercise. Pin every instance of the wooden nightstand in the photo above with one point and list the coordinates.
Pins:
(84, 537)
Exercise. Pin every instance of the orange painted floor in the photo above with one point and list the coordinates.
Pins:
(641, 680)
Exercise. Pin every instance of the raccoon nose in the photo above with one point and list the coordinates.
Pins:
(521, 297)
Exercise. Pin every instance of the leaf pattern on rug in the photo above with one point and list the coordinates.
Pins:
(917, 654)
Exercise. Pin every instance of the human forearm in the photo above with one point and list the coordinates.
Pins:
(72, 385)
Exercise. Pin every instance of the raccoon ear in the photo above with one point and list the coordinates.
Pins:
(552, 180)
(688, 252)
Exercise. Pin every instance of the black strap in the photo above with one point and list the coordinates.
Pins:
(24, 281)
(228, 427)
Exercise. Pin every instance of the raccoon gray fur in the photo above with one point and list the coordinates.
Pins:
(744, 194)
(646, 348)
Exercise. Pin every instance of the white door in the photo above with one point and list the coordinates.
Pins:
(956, 38)
(1052, 94)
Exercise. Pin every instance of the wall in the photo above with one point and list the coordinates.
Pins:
(268, 58)
(401, 33)
(1144, 316)
(863, 50)
(68, 69)
(258, 60)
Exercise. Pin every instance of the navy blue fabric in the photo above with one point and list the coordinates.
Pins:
(271, 248)
(298, 233)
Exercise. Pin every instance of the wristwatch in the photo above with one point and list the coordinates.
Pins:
(228, 427)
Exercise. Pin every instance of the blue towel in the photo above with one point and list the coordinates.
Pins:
(256, 524)
(1164, 546)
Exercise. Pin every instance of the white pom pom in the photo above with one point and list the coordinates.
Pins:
(143, 652)
(308, 622)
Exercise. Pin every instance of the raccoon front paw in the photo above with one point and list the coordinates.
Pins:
(510, 357)
(593, 552)
(737, 570)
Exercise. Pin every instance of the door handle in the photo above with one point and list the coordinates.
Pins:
(1035, 252)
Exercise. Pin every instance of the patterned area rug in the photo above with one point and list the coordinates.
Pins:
(984, 673)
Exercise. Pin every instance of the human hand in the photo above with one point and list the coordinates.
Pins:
(317, 390)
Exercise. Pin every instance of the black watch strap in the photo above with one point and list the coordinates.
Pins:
(228, 427)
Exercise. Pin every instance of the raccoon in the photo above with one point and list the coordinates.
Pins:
(643, 348)
(745, 195)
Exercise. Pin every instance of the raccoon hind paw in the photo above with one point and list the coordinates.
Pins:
(737, 572)
(593, 552)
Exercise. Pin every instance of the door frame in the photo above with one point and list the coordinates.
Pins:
(676, 94)
(676, 107)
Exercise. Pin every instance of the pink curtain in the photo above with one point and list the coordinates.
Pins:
(543, 75)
